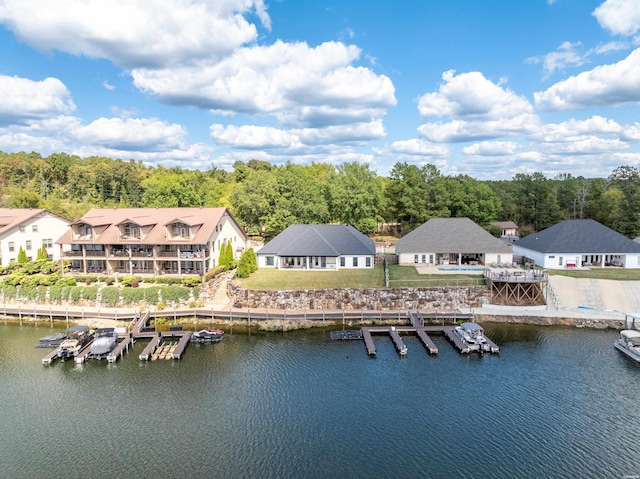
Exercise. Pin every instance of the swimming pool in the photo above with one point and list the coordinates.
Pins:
(456, 268)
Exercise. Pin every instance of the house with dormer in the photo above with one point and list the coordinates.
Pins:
(151, 241)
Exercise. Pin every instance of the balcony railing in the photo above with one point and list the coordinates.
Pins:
(72, 253)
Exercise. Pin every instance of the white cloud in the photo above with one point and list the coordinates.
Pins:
(416, 147)
(297, 84)
(576, 130)
(491, 148)
(620, 17)
(460, 131)
(135, 32)
(108, 86)
(605, 85)
(472, 96)
(132, 134)
(252, 137)
(566, 55)
(298, 140)
(22, 100)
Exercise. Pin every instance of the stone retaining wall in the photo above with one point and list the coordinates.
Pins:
(436, 299)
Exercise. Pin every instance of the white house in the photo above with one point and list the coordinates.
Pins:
(578, 243)
(29, 229)
(318, 247)
(452, 241)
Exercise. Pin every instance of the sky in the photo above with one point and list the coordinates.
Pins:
(489, 88)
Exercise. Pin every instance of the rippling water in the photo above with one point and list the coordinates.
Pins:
(554, 403)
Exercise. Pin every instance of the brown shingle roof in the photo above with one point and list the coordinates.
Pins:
(13, 217)
(153, 220)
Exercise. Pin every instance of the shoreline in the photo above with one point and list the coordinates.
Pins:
(484, 315)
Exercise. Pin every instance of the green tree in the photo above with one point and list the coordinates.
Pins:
(355, 193)
(416, 195)
(627, 180)
(22, 256)
(470, 198)
(42, 253)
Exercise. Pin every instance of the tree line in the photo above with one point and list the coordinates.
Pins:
(266, 198)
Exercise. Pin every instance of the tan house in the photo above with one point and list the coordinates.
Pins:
(29, 229)
(151, 241)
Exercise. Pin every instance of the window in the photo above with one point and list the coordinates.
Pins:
(415, 258)
(47, 242)
(12, 246)
(21, 228)
(12, 260)
(559, 260)
(424, 258)
(342, 261)
(28, 246)
(368, 262)
(355, 261)
(269, 260)
(430, 259)
(34, 228)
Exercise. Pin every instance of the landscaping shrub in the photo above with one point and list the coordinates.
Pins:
(90, 293)
(27, 293)
(75, 294)
(108, 281)
(130, 282)
(191, 281)
(174, 294)
(132, 295)
(151, 294)
(55, 294)
(41, 294)
(110, 295)
(212, 273)
(9, 292)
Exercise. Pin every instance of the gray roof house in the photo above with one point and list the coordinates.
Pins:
(452, 241)
(327, 247)
(579, 243)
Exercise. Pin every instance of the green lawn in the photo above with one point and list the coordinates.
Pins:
(407, 276)
(619, 274)
(302, 279)
(399, 276)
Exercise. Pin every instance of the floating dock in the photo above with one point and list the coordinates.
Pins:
(182, 344)
(148, 351)
(49, 358)
(118, 351)
(423, 334)
(346, 334)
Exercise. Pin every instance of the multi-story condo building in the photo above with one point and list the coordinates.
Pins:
(29, 229)
(151, 241)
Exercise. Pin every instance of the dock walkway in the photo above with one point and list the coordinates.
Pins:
(118, 351)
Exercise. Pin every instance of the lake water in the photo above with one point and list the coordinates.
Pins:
(555, 403)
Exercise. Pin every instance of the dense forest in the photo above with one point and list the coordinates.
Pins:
(266, 198)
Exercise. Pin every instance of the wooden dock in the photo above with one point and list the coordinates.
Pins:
(457, 342)
(145, 355)
(368, 342)
(423, 334)
(397, 341)
(82, 356)
(182, 344)
(118, 351)
(49, 358)
(346, 334)
(427, 341)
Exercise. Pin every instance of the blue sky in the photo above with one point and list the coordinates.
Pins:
(488, 89)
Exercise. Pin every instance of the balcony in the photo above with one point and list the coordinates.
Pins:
(70, 254)
(99, 253)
